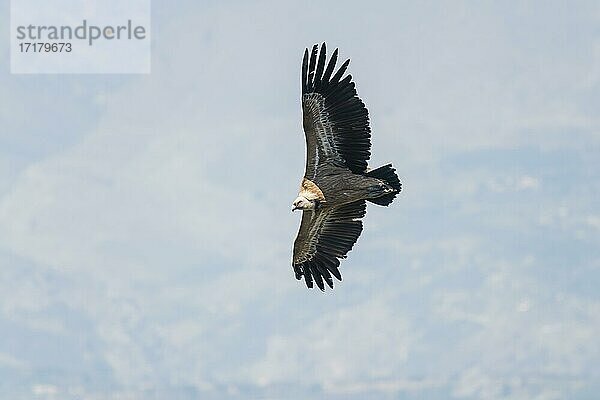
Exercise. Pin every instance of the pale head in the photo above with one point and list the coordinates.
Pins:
(302, 203)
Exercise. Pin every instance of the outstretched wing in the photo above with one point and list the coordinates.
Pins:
(325, 236)
(335, 120)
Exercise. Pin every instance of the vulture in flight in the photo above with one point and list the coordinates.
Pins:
(337, 183)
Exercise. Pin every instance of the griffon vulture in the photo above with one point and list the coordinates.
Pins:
(337, 182)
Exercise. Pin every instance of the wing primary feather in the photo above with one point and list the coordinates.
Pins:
(307, 275)
(330, 67)
(297, 271)
(311, 68)
(340, 72)
(305, 72)
(332, 264)
(318, 278)
(320, 65)
(324, 272)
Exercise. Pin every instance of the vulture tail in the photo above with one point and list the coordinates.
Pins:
(387, 174)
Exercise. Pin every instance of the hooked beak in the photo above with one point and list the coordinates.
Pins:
(295, 208)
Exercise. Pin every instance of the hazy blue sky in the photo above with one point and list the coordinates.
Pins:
(145, 225)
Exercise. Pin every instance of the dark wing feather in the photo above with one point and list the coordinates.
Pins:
(325, 236)
(335, 120)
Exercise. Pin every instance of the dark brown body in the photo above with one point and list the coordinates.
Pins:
(340, 186)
